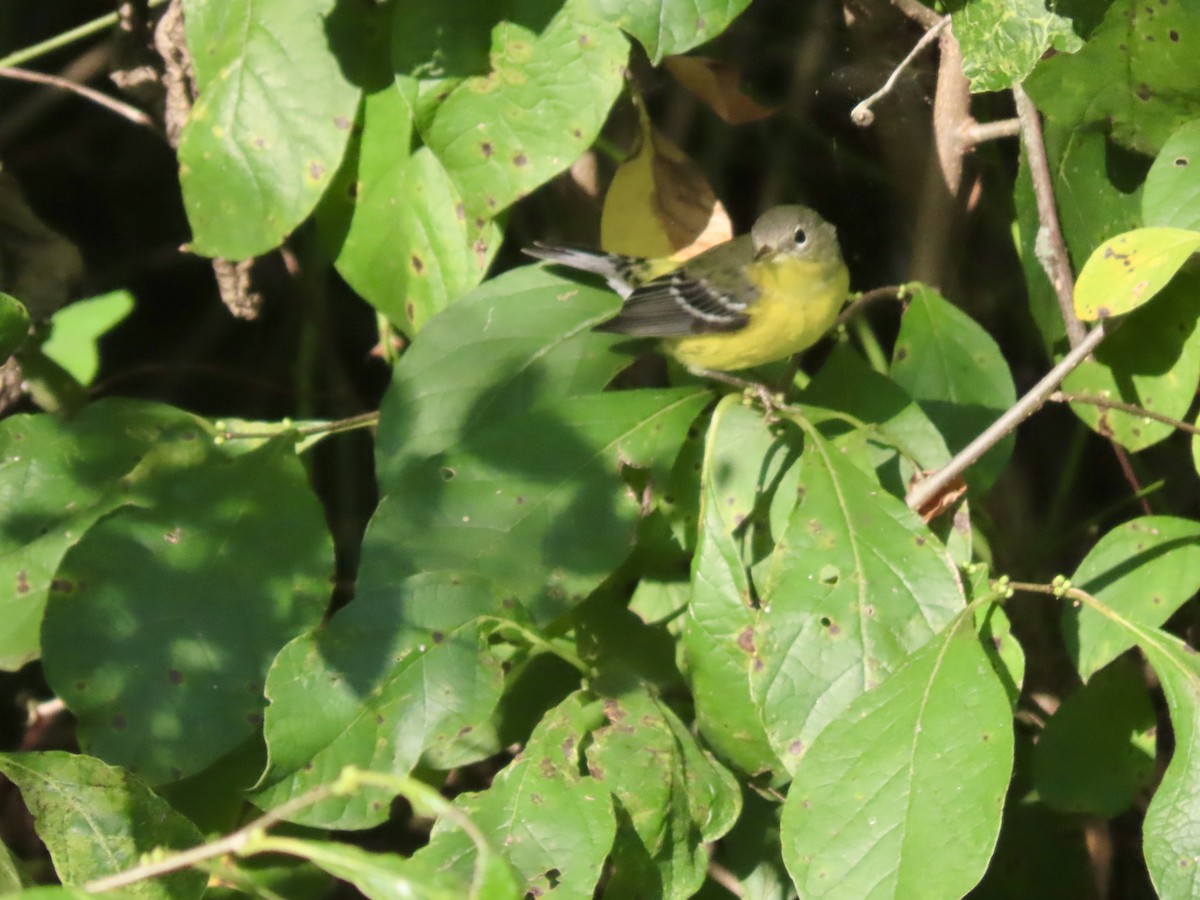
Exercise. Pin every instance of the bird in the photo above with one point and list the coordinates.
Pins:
(751, 300)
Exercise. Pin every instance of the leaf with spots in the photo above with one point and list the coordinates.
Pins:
(718, 629)
(1138, 75)
(1128, 270)
(534, 501)
(1171, 195)
(379, 691)
(956, 373)
(498, 453)
(501, 135)
(1143, 571)
(854, 585)
(665, 27)
(271, 123)
(57, 478)
(672, 798)
(397, 224)
(914, 770)
(555, 825)
(1151, 361)
(1002, 40)
(163, 619)
(97, 820)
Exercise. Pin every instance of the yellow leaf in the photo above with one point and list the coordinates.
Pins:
(660, 204)
(1127, 270)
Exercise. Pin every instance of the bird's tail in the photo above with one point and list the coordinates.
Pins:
(623, 273)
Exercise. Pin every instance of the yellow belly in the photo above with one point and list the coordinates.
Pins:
(799, 301)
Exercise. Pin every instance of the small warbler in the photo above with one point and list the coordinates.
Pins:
(751, 300)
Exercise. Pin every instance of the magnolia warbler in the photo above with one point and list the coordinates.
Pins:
(751, 300)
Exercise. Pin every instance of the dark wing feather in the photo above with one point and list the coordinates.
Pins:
(679, 304)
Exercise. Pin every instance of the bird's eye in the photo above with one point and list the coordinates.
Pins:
(800, 237)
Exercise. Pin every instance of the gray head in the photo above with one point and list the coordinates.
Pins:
(796, 231)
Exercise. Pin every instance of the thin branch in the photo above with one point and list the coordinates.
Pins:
(1107, 403)
(862, 115)
(132, 113)
(892, 291)
(929, 487)
(78, 33)
(980, 132)
(1050, 248)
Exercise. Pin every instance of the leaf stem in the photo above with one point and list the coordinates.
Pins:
(1120, 406)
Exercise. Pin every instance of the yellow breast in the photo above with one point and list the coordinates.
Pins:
(797, 304)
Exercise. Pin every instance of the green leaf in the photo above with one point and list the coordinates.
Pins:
(163, 619)
(1097, 751)
(270, 126)
(1126, 271)
(555, 825)
(718, 630)
(377, 876)
(57, 478)
(1151, 361)
(1002, 40)
(671, 797)
(14, 325)
(12, 874)
(546, 519)
(442, 40)
(956, 373)
(542, 104)
(1172, 823)
(1171, 196)
(98, 820)
(517, 339)
(76, 330)
(1138, 74)
(915, 770)
(900, 436)
(854, 585)
(1144, 570)
(408, 248)
(1002, 648)
(666, 27)
(398, 677)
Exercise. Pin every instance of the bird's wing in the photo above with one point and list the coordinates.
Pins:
(710, 293)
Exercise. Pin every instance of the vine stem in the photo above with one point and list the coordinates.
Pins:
(234, 842)
(928, 488)
(78, 33)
